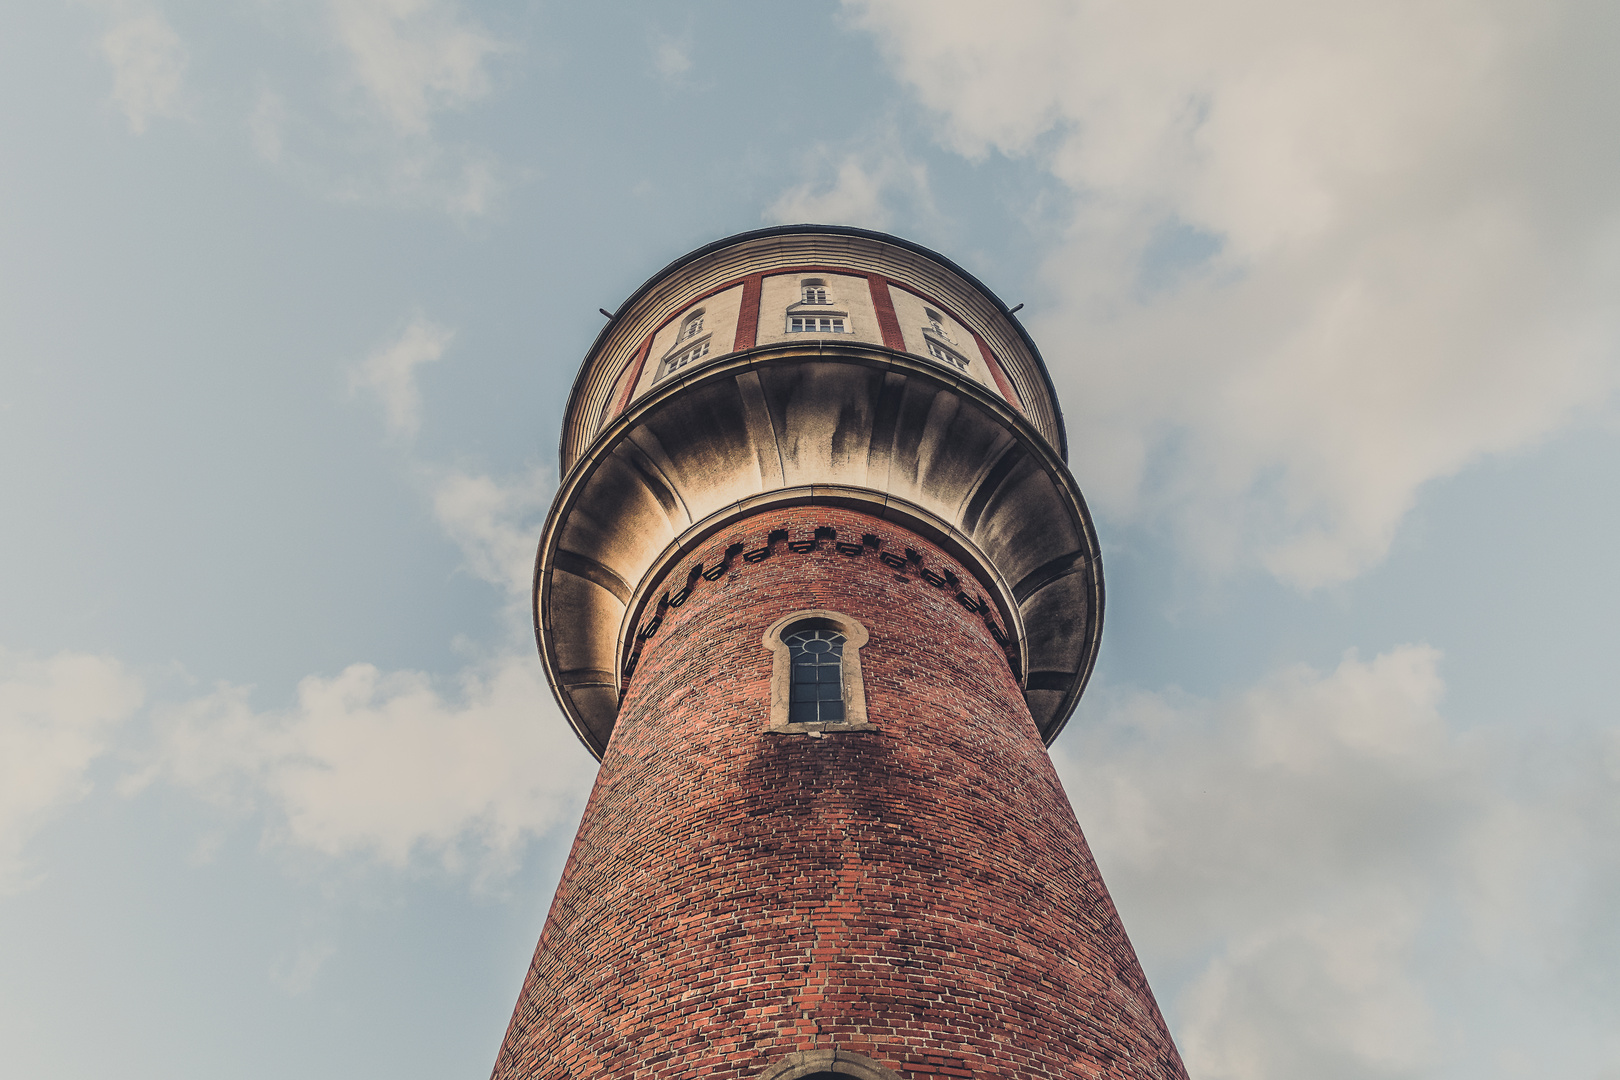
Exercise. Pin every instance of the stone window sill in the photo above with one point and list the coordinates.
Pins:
(816, 729)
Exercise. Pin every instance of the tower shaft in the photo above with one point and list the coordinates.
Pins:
(817, 589)
(916, 892)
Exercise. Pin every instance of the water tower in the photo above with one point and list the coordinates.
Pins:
(818, 589)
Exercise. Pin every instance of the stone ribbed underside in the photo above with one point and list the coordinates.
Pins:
(818, 422)
(919, 894)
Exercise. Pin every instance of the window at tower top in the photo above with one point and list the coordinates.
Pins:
(683, 355)
(813, 324)
(947, 356)
(691, 344)
(814, 311)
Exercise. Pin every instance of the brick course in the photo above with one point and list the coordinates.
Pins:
(920, 894)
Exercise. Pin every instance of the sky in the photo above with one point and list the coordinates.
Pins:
(292, 293)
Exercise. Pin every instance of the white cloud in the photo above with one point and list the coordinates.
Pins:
(404, 68)
(296, 974)
(672, 56)
(496, 524)
(1316, 255)
(1336, 987)
(1338, 875)
(57, 716)
(390, 373)
(267, 125)
(148, 62)
(411, 59)
(862, 188)
(473, 189)
(385, 766)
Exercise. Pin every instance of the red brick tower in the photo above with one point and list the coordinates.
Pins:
(817, 589)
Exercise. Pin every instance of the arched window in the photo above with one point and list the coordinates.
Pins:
(935, 323)
(818, 675)
(692, 326)
(816, 680)
(813, 291)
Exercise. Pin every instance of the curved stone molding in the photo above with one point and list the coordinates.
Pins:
(856, 421)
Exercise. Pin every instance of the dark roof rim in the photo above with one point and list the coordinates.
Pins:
(841, 230)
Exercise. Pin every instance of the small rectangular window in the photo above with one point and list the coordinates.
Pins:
(948, 356)
(811, 324)
(686, 356)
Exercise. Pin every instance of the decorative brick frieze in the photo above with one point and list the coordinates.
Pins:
(947, 575)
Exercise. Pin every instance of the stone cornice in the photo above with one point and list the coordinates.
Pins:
(853, 424)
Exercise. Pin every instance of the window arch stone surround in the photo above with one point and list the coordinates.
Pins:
(813, 1064)
(855, 636)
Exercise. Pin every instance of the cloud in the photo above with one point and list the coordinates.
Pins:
(384, 765)
(383, 133)
(1336, 988)
(148, 62)
(297, 974)
(57, 716)
(1337, 875)
(495, 524)
(861, 190)
(1314, 256)
(390, 374)
(389, 766)
(672, 56)
(267, 125)
(410, 59)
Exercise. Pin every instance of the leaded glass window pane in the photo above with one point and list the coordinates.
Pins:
(818, 676)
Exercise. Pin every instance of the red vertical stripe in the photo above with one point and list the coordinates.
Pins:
(887, 322)
(748, 316)
(990, 361)
(635, 376)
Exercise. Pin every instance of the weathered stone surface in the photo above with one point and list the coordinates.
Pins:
(888, 429)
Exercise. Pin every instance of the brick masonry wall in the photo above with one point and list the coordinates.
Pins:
(920, 894)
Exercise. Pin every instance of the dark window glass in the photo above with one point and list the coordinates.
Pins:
(818, 676)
